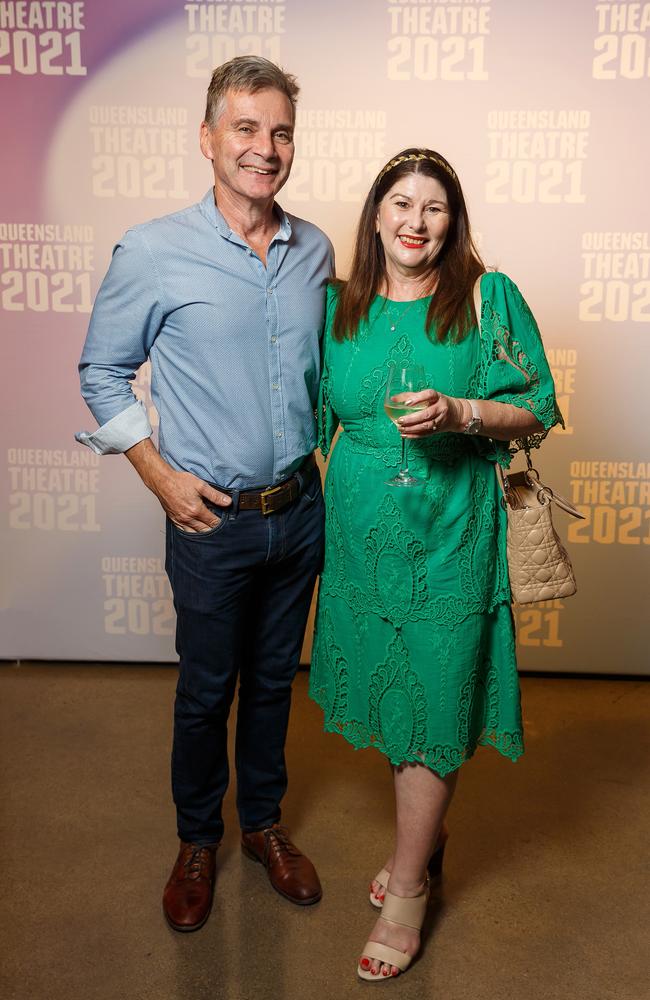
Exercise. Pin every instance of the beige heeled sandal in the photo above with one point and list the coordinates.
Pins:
(408, 911)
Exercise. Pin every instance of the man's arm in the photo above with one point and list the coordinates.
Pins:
(127, 316)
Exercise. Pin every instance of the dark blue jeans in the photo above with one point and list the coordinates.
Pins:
(242, 593)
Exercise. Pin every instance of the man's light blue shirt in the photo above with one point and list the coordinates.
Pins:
(234, 345)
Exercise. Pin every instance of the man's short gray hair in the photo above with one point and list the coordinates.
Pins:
(250, 74)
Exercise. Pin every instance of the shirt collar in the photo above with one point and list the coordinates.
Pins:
(213, 215)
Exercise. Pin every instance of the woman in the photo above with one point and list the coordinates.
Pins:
(414, 650)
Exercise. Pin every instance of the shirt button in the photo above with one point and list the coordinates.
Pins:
(279, 434)
(273, 339)
(275, 385)
(269, 291)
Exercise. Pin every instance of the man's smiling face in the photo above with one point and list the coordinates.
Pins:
(251, 145)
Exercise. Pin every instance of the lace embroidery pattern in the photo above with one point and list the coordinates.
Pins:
(333, 580)
(394, 583)
(448, 449)
(331, 691)
(483, 581)
(398, 710)
(510, 744)
(499, 347)
(326, 419)
(443, 758)
(396, 568)
(375, 430)
(478, 706)
(476, 556)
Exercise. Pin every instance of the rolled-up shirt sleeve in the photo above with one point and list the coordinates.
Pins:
(125, 321)
(119, 433)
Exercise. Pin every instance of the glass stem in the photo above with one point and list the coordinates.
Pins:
(404, 470)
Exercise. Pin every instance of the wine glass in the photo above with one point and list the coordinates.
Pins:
(402, 381)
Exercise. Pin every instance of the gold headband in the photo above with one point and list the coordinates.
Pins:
(417, 157)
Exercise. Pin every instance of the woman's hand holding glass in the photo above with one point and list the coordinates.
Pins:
(435, 413)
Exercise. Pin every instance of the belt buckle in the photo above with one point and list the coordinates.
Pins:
(266, 508)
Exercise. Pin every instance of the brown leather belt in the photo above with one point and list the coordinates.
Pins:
(275, 498)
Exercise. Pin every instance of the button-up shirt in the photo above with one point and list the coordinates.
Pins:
(233, 344)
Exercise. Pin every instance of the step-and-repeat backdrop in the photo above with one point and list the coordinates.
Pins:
(542, 110)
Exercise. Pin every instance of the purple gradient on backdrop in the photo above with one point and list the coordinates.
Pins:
(32, 105)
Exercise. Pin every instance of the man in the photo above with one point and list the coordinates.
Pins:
(226, 298)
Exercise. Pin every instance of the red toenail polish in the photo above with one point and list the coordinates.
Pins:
(364, 963)
(384, 973)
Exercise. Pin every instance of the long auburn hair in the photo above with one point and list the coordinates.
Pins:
(456, 267)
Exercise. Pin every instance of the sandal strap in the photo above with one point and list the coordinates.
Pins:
(384, 953)
(383, 877)
(406, 910)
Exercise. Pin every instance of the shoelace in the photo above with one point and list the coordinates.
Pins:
(195, 860)
(277, 840)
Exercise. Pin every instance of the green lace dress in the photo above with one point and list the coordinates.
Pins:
(414, 649)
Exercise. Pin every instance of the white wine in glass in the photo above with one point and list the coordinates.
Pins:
(401, 381)
(396, 410)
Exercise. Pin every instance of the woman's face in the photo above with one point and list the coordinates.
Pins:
(412, 222)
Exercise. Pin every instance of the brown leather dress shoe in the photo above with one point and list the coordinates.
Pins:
(290, 872)
(187, 899)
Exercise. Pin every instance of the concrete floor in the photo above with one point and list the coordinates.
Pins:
(544, 892)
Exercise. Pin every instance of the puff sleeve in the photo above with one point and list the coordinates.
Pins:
(513, 367)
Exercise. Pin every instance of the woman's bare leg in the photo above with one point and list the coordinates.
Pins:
(422, 799)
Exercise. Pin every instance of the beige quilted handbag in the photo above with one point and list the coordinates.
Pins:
(538, 564)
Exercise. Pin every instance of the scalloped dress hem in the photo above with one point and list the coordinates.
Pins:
(513, 753)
